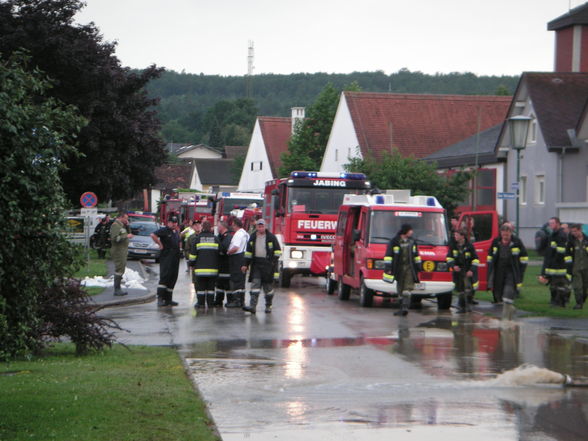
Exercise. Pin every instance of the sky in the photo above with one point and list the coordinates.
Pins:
(486, 37)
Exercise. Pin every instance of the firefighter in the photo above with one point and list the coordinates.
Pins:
(195, 227)
(168, 240)
(463, 260)
(557, 265)
(507, 262)
(402, 264)
(236, 255)
(578, 250)
(102, 236)
(224, 275)
(204, 262)
(120, 233)
(262, 254)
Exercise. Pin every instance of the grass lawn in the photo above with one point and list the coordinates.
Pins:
(93, 267)
(118, 395)
(535, 298)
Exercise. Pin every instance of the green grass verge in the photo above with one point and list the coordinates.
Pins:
(118, 395)
(93, 267)
(535, 298)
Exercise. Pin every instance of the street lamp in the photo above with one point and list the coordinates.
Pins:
(519, 126)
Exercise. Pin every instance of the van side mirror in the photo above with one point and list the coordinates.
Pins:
(355, 236)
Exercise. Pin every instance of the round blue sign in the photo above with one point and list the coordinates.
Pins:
(88, 199)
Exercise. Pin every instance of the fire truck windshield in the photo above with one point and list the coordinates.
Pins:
(429, 228)
(319, 200)
(230, 204)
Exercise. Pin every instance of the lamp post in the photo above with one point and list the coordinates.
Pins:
(519, 126)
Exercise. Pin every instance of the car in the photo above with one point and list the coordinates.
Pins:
(141, 245)
(135, 216)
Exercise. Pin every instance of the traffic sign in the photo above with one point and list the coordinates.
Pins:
(514, 186)
(89, 199)
(506, 195)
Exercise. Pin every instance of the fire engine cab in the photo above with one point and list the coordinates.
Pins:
(234, 204)
(366, 224)
(301, 210)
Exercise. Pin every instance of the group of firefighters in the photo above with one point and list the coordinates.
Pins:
(565, 266)
(219, 263)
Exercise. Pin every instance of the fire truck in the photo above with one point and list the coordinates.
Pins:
(234, 204)
(169, 207)
(366, 224)
(201, 208)
(301, 210)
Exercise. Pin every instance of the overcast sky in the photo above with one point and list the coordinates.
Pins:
(486, 37)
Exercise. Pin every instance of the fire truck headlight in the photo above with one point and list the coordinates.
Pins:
(296, 254)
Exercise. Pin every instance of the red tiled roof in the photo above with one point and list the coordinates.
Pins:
(170, 176)
(276, 133)
(419, 125)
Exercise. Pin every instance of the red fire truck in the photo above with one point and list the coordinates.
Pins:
(301, 210)
(200, 209)
(234, 204)
(169, 207)
(365, 226)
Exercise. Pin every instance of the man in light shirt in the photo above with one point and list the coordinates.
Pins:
(236, 255)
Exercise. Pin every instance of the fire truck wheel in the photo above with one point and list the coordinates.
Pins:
(366, 295)
(444, 301)
(285, 278)
(343, 290)
(331, 285)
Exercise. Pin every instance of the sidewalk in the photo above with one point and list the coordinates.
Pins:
(148, 272)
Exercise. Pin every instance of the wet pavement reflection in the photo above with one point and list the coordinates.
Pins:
(321, 368)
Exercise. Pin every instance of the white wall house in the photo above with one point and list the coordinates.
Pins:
(256, 168)
(342, 143)
(199, 151)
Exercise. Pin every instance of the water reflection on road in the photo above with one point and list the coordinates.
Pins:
(320, 368)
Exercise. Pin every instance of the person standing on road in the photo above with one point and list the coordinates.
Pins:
(194, 228)
(402, 264)
(204, 261)
(120, 233)
(507, 262)
(578, 249)
(557, 265)
(168, 240)
(102, 232)
(463, 260)
(224, 276)
(236, 262)
(263, 252)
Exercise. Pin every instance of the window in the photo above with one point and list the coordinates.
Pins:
(540, 189)
(532, 138)
(523, 190)
(336, 155)
(256, 165)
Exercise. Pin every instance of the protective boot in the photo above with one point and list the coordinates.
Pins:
(241, 298)
(469, 302)
(508, 310)
(234, 301)
(404, 302)
(168, 298)
(200, 300)
(210, 299)
(161, 296)
(269, 298)
(230, 299)
(117, 290)
(220, 298)
(461, 303)
(252, 302)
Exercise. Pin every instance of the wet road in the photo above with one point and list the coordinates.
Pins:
(318, 368)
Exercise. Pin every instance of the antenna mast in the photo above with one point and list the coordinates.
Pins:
(249, 76)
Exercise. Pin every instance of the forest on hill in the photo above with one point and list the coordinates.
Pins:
(219, 111)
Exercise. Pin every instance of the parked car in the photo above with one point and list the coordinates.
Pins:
(142, 246)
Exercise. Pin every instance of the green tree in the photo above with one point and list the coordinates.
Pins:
(393, 171)
(120, 146)
(37, 135)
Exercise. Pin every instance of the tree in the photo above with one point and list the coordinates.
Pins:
(393, 171)
(37, 136)
(120, 145)
(307, 146)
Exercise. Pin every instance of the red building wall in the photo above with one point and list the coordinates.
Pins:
(564, 39)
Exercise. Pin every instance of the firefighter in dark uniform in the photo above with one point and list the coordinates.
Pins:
(402, 264)
(224, 275)
(261, 256)
(463, 260)
(236, 255)
(578, 249)
(557, 265)
(102, 236)
(507, 262)
(168, 239)
(204, 263)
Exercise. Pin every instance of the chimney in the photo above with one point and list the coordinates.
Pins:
(571, 40)
(297, 116)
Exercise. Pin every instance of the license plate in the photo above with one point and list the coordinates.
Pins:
(140, 251)
(419, 286)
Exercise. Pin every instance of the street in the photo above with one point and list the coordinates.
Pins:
(321, 368)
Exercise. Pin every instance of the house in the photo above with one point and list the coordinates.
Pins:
(168, 179)
(268, 142)
(199, 151)
(235, 151)
(369, 124)
(554, 163)
(214, 175)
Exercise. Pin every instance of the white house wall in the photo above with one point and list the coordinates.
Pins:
(200, 153)
(254, 180)
(342, 143)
